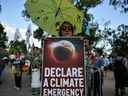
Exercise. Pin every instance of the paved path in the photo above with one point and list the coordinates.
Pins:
(108, 87)
(7, 87)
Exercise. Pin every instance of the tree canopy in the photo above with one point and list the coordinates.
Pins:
(86, 4)
(17, 46)
(3, 37)
(38, 33)
(3, 42)
(116, 38)
(120, 42)
(121, 5)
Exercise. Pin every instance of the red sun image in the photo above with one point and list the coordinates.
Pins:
(62, 51)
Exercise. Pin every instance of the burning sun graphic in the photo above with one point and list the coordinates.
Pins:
(62, 51)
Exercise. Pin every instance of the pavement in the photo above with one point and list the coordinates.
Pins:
(7, 86)
(109, 84)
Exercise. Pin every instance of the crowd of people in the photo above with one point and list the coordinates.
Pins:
(100, 64)
(18, 64)
(120, 69)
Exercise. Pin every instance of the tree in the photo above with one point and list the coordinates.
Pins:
(117, 38)
(86, 4)
(25, 15)
(17, 46)
(3, 53)
(0, 7)
(38, 33)
(120, 43)
(122, 5)
(3, 37)
(3, 42)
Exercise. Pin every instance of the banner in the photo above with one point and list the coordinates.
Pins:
(63, 67)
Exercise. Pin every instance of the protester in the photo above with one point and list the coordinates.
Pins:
(125, 63)
(3, 61)
(98, 73)
(119, 71)
(90, 72)
(66, 29)
(2, 65)
(106, 64)
(110, 63)
(17, 70)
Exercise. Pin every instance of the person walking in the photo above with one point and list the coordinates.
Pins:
(1, 69)
(17, 70)
(119, 75)
(98, 74)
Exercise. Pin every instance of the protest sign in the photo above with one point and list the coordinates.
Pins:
(63, 72)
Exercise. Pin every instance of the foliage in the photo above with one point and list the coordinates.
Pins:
(120, 43)
(38, 33)
(37, 61)
(3, 53)
(122, 5)
(117, 38)
(17, 46)
(25, 15)
(3, 43)
(0, 7)
(35, 57)
(3, 37)
(85, 4)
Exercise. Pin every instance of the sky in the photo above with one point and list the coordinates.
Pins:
(104, 12)
(12, 19)
(11, 16)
